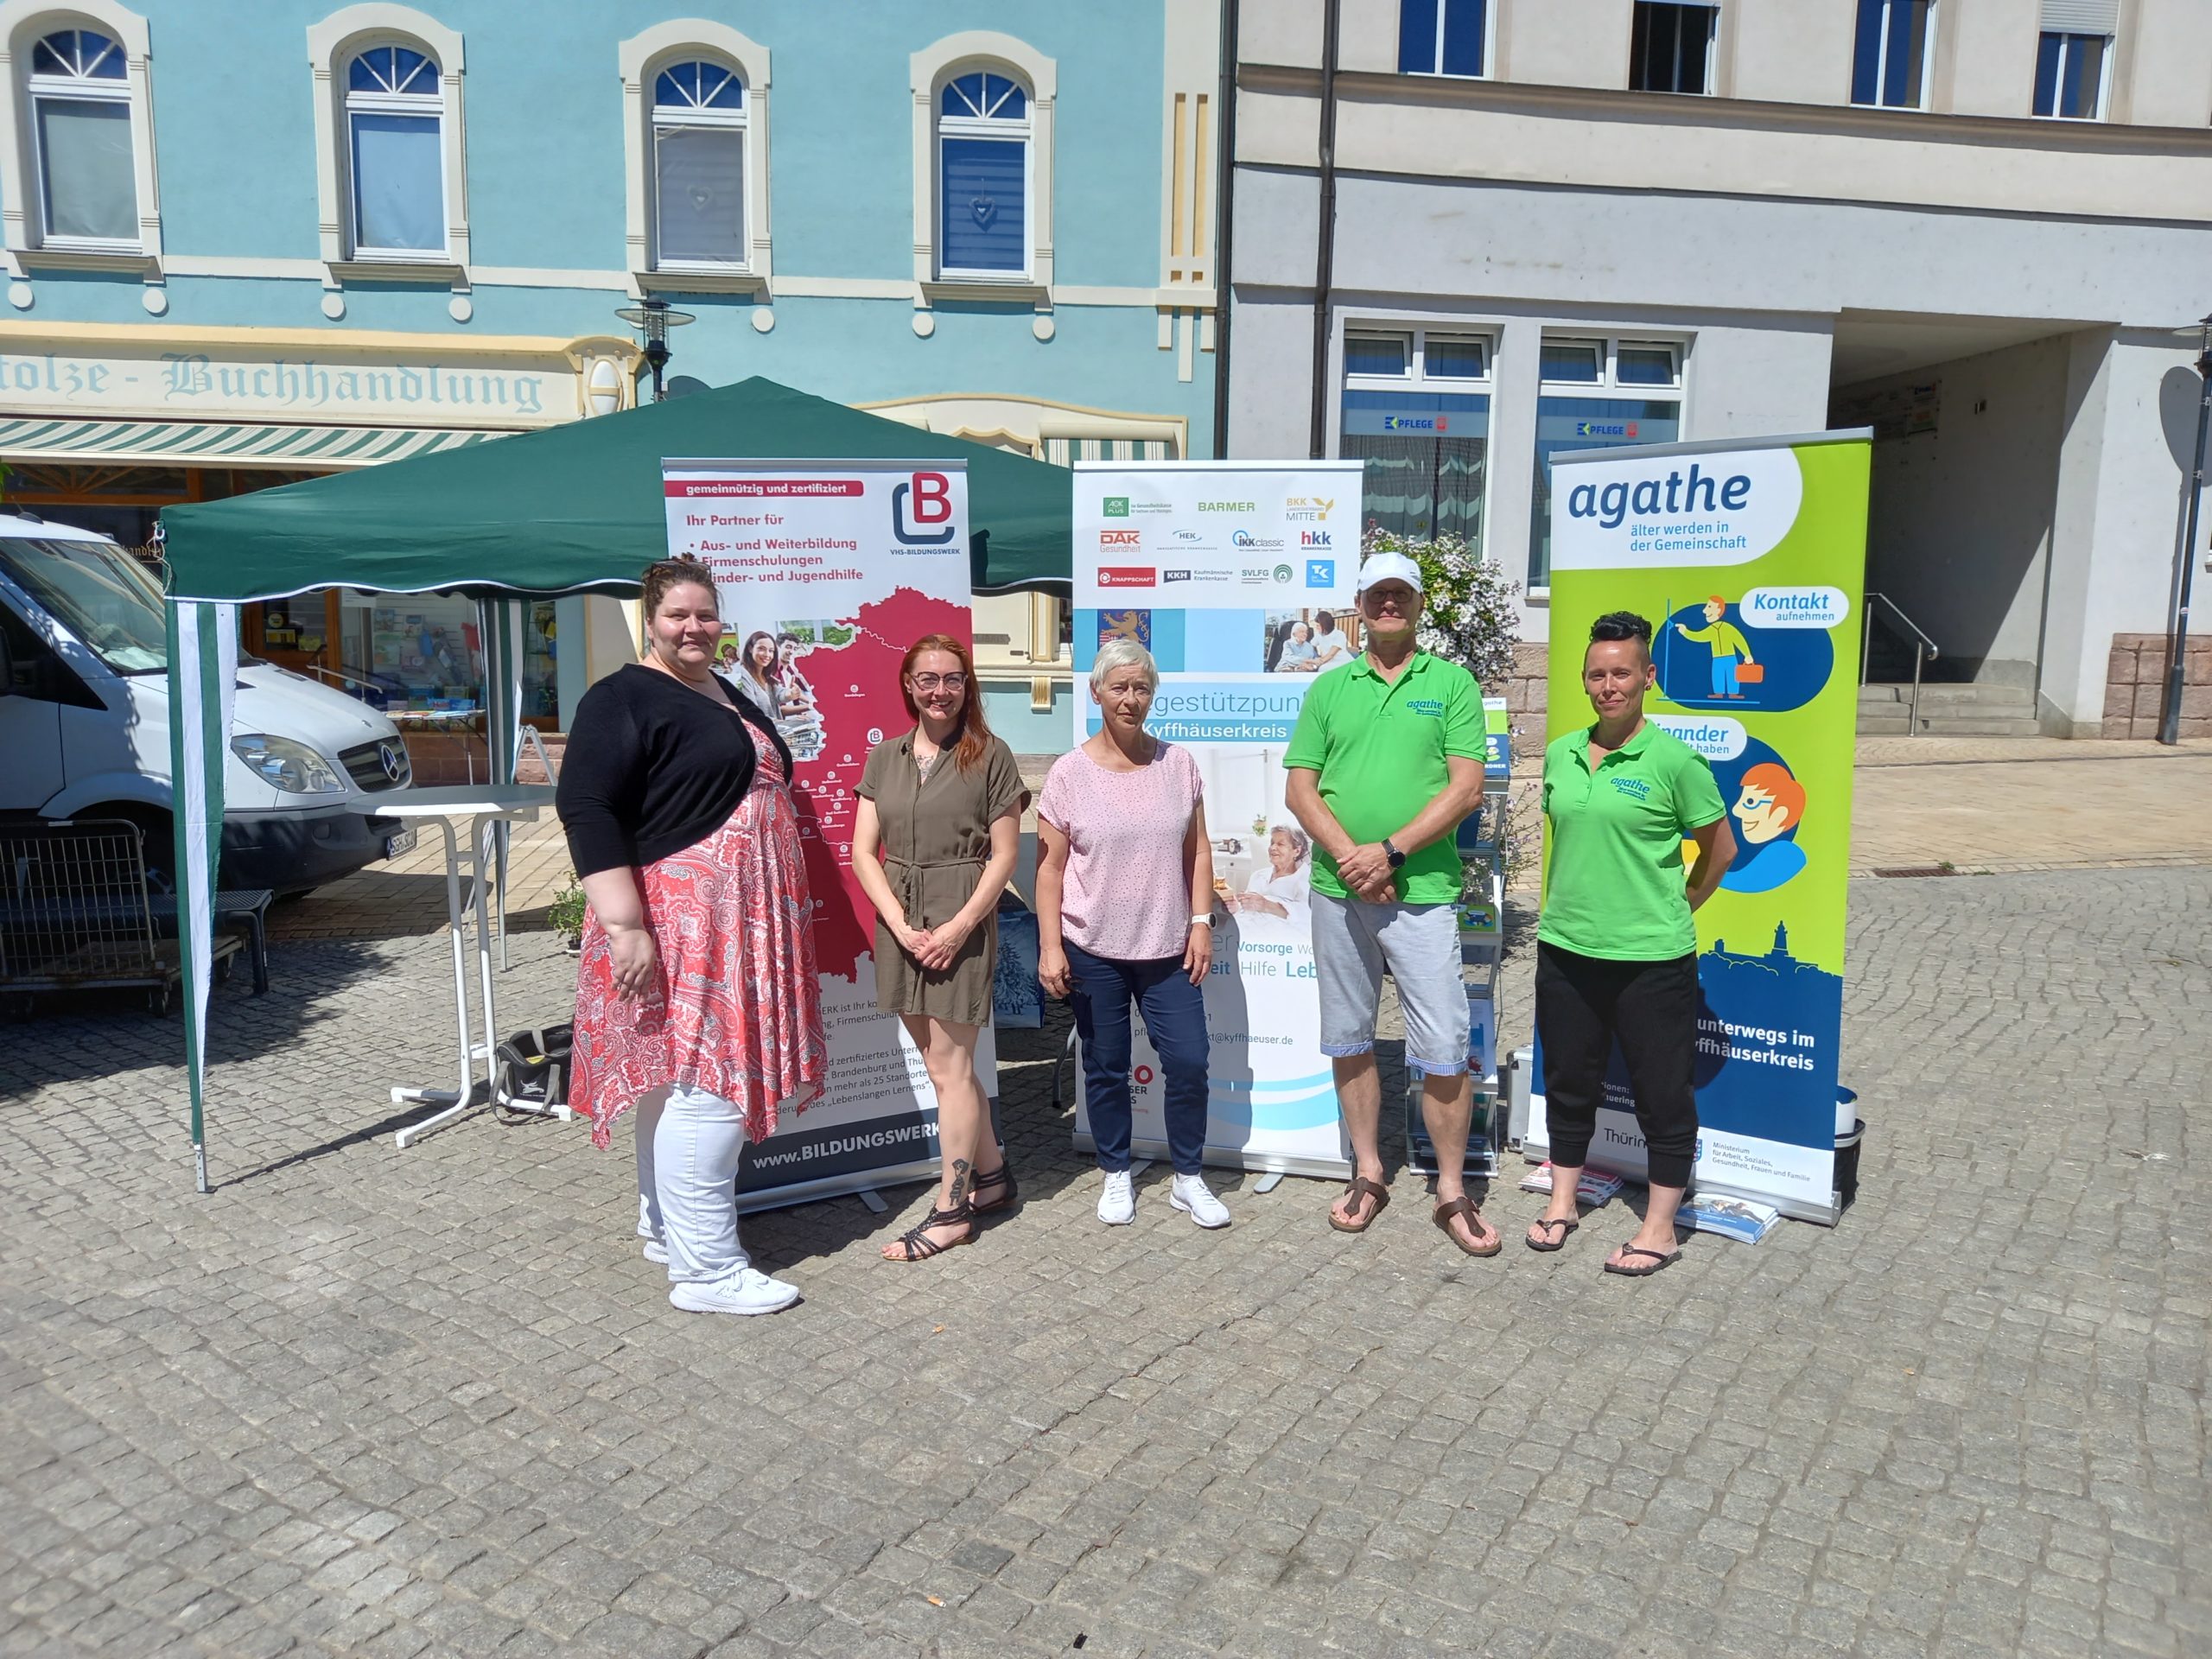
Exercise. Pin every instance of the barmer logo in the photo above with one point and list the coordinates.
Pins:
(1121, 538)
(1229, 506)
(1115, 507)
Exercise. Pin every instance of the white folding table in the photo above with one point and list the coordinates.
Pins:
(487, 806)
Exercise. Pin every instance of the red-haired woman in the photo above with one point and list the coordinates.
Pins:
(934, 840)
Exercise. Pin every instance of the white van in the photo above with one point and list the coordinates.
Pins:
(85, 723)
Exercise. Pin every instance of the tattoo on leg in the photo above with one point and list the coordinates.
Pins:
(960, 1173)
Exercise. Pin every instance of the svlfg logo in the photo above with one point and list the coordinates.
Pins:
(1320, 573)
(930, 498)
(1314, 538)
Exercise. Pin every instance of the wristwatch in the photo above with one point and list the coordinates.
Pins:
(1203, 920)
(1390, 851)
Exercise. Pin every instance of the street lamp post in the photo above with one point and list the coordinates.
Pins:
(2178, 646)
(653, 319)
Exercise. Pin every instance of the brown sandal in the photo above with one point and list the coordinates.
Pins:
(1463, 1206)
(1361, 1187)
(920, 1247)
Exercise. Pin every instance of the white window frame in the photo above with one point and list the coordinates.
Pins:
(640, 59)
(23, 24)
(1490, 43)
(2067, 38)
(1712, 48)
(412, 106)
(332, 44)
(928, 72)
(994, 128)
(1607, 386)
(1920, 93)
(1417, 376)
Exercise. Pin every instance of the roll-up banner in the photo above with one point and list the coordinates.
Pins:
(1238, 577)
(827, 570)
(1748, 556)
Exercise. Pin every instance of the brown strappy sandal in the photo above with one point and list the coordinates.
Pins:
(920, 1247)
(1361, 1187)
(1463, 1206)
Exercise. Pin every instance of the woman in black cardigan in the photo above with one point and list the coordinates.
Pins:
(697, 999)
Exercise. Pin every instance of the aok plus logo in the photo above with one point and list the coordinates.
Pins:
(1121, 538)
(1314, 538)
(919, 505)
(1115, 507)
(1122, 576)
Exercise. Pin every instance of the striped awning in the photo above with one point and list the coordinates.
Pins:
(227, 443)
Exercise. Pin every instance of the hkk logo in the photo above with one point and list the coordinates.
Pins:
(931, 495)
(1314, 538)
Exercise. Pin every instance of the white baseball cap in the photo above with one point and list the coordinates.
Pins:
(1390, 567)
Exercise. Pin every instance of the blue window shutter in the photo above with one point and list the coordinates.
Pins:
(981, 219)
(2047, 53)
(1417, 37)
(1866, 53)
(1463, 37)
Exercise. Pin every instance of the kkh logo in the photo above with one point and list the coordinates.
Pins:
(1115, 507)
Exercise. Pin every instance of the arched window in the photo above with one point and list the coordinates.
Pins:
(983, 175)
(395, 150)
(81, 129)
(698, 167)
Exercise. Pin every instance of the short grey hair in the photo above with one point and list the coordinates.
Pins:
(1122, 651)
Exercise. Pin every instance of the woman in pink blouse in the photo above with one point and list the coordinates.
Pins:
(1125, 914)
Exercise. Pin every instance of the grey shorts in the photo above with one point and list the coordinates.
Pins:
(1354, 941)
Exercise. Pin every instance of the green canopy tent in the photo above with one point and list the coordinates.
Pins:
(571, 509)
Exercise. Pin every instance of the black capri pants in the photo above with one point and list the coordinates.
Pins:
(1584, 1003)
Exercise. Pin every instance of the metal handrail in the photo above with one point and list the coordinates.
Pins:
(1923, 652)
(338, 679)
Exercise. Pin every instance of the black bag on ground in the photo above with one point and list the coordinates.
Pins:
(531, 1067)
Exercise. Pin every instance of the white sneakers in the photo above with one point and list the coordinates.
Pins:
(1117, 1205)
(656, 1252)
(747, 1291)
(1191, 1194)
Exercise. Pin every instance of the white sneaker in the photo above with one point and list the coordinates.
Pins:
(656, 1252)
(747, 1291)
(1117, 1205)
(1191, 1194)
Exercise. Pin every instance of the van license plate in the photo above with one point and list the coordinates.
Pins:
(395, 846)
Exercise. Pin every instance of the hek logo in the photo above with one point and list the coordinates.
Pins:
(1121, 538)
(1123, 575)
(1314, 538)
(924, 501)
(1320, 573)
(1115, 507)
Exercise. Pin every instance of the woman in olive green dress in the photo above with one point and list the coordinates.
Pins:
(934, 839)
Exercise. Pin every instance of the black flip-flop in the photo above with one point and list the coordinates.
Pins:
(1556, 1245)
(1659, 1259)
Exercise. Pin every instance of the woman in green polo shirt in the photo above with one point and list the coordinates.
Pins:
(1616, 949)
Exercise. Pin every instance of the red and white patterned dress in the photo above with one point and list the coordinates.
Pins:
(738, 1010)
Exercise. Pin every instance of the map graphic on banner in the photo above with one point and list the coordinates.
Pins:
(837, 567)
(1238, 577)
(1748, 559)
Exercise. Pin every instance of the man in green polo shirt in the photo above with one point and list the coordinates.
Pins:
(1616, 946)
(1386, 761)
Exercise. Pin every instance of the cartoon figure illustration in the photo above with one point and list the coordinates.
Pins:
(1769, 805)
(1729, 647)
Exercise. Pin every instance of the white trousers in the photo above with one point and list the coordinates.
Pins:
(687, 1146)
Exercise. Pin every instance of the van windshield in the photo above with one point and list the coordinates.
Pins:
(98, 593)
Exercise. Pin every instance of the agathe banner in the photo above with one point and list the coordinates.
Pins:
(1749, 558)
(827, 570)
(1238, 578)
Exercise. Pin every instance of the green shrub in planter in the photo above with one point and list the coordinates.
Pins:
(568, 912)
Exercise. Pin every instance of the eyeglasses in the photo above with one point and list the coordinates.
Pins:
(934, 681)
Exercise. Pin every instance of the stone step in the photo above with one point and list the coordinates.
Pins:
(1979, 726)
(1992, 699)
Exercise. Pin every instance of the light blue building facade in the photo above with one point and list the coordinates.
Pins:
(246, 243)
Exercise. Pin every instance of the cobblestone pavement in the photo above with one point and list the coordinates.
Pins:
(366, 1403)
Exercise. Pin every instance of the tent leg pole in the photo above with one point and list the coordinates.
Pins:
(199, 1163)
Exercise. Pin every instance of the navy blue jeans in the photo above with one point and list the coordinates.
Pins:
(1174, 1018)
